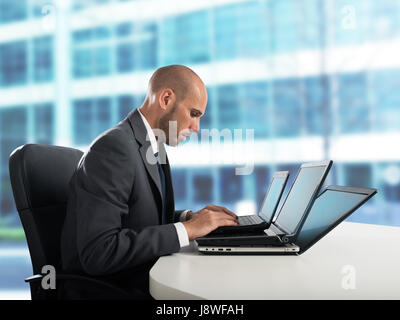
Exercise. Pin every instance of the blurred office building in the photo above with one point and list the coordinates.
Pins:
(314, 79)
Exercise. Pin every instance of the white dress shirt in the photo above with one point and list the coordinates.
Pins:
(180, 228)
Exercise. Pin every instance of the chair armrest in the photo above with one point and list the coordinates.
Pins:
(34, 278)
(64, 276)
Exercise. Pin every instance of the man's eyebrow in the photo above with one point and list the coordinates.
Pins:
(197, 111)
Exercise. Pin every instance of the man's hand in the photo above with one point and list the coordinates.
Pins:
(202, 222)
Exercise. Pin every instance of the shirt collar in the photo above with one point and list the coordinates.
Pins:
(150, 134)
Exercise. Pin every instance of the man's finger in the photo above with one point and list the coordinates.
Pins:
(228, 211)
(221, 215)
(219, 208)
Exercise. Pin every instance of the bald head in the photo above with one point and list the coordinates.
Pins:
(177, 99)
(180, 79)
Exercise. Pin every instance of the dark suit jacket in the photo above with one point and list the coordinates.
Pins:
(113, 221)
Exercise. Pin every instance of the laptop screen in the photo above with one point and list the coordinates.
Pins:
(300, 196)
(331, 207)
(272, 198)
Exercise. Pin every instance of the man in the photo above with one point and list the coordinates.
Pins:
(120, 216)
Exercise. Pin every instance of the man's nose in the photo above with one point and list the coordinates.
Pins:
(195, 126)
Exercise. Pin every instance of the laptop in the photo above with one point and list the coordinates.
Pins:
(264, 218)
(333, 205)
(292, 214)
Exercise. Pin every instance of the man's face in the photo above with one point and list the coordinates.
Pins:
(184, 116)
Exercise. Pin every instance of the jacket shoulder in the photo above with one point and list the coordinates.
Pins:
(115, 140)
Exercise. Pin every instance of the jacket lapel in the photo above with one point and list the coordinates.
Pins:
(146, 152)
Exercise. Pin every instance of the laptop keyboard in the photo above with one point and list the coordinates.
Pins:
(249, 220)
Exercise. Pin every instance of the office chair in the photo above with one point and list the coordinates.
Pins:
(40, 176)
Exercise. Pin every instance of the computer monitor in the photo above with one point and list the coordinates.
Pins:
(332, 206)
(273, 195)
(301, 196)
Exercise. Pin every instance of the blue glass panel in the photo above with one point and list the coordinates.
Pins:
(231, 185)
(83, 122)
(13, 63)
(255, 107)
(202, 184)
(43, 59)
(82, 63)
(226, 29)
(44, 123)
(179, 182)
(316, 98)
(385, 85)
(13, 10)
(228, 107)
(126, 104)
(353, 103)
(287, 115)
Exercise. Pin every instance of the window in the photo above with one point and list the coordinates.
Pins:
(138, 51)
(12, 10)
(386, 86)
(13, 63)
(287, 115)
(311, 17)
(226, 29)
(125, 105)
(101, 61)
(78, 5)
(82, 36)
(358, 175)
(386, 19)
(43, 59)
(351, 19)
(205, 120)
(82, 63)
(285, 26)
(262, 181)
(91, 117)
(91, 53)
(126, 58)
(254, 101)
(202, 183)
(102, 114)
(179, 183)
(83, 121)
(231, 185)
(228, 107)
(44, 123)
(353, 108)
(186, 39)
(253, 29)
(316, 99)
(124, 29)
(40, 8)
(13, 132)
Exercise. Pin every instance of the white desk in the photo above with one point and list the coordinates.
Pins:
(354, 261)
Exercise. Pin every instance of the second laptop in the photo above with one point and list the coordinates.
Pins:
(264, 218)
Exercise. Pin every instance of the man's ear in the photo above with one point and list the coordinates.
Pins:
(167, 98)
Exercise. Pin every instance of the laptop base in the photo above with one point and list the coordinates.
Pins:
(239, 230)
(290, 249)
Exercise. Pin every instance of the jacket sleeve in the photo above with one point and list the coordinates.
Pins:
(177, 215)
(103, 184)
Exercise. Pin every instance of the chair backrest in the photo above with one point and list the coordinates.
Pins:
(40, 176)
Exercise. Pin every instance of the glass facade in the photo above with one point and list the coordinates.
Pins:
(314, 80)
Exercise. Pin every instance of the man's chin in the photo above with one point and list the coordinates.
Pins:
(172, 143)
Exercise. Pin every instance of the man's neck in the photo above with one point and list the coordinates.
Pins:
(153, 121)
